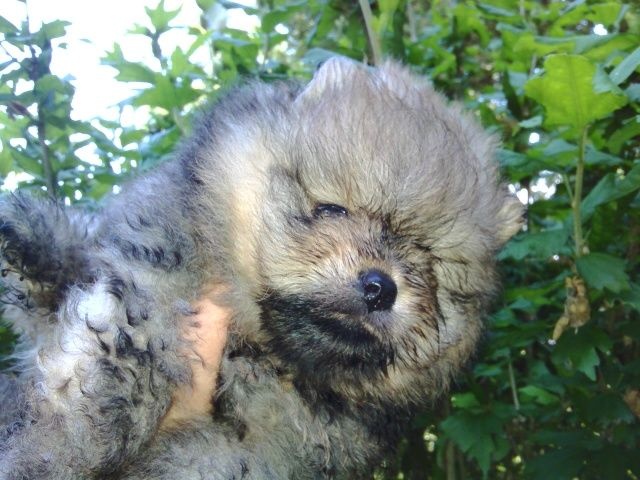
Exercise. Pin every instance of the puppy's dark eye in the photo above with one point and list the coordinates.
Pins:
(329, 210)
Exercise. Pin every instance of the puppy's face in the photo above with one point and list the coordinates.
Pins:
(375, 235)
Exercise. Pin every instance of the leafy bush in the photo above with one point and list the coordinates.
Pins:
(555, 390)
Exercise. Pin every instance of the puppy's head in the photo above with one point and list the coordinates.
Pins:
(372, 212)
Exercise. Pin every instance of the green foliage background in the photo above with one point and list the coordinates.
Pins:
(527, 408)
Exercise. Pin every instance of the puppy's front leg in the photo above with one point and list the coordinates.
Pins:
(102, 381)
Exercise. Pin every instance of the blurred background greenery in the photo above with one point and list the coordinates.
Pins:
(554, 392)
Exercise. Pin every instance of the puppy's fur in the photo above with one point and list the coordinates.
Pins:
(287, 197)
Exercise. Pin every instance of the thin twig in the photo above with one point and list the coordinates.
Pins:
(577, 195)
(411, 17)
(374, 42)
(50, 175)
(567, 185)
(514, 388)
(34, 76)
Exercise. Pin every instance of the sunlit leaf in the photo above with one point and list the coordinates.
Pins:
(567, 92)
(605, 12)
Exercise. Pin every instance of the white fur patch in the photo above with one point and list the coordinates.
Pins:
(97, 307)
(75, 344)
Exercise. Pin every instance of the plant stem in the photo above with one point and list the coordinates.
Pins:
(411, 18)
(450, 455)
(49, 174)
(577, 196)
(567, 185)
(512, 383)
(374, 42)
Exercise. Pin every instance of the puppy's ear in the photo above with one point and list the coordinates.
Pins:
(333, 74)
(510, 219)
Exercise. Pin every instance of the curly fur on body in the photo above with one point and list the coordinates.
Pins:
(291, 197)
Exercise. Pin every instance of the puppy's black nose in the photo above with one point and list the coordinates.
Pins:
(379, 290)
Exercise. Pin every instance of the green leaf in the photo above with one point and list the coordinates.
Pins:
(6, 26)
(247, 9)
(468, 20)
(496, 11)
(26, 163)
(560, 151)
(474, 434)
(180, 64)
(627, 131)
(626, 67)
(605, 12)
(200, 40)
(279, 15)
(633, 92)
(160, 17)
(562, 464)
(610, 188)
(531, 122)
(529, 44)
(205, 5)
(597, 157)
(465, 401)
(611, 462)
(602, 271)
(6, 162)
(580, 438)
(602, 83)
(128, 71)
(540, 395)
(568, 94)
(606, 408)
(166, 95)
(134, 72)
(578, 349)
(7, 98)
(517, 164)
(595, 45)
(632, 296)
(55, 29)
(49, 83)
(388, 6)
(537, 245)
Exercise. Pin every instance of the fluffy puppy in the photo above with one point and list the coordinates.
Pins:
(350, 224)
